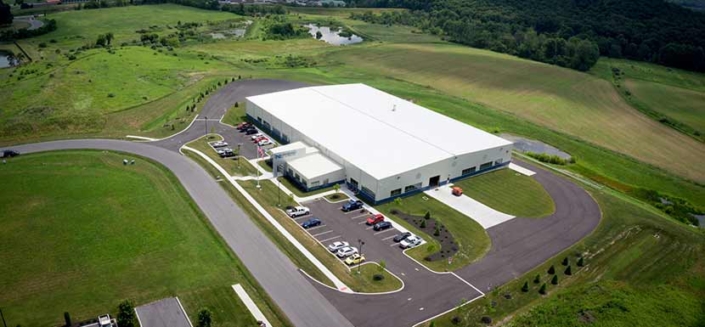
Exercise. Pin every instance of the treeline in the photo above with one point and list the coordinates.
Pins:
(9, 35)
(549, 30)
(240, 9)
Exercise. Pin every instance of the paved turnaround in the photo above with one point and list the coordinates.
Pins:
(518, 245)
(279, 277)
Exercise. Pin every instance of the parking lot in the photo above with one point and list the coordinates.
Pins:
(248, 148)
(351, 227)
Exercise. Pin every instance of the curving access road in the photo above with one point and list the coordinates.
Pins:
(518, 245)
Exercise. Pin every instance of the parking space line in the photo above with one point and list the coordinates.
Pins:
(301, 217)
(386, 238)
(368, 228)
(362, 222)
(316, 235)
(330, 239)
(394, 244)
(384, 231)
(360, 216)
(314, 228)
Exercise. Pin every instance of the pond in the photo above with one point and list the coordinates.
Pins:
(5, 59)
(528, 145)
(332, 36)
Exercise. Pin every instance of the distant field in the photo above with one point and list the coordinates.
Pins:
(509, 192)
(82, 232)
(567, 101)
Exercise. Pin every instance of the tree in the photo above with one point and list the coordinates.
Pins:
(398, 201)
(5, 14)
(336, 187)
(568, 271)
(581, 262)
(437, 231)
(552, 270)
(565, 261)
(554, 280)
(109, 37)
(382, 265)
(101, 41)
(542, 290)
(126, 314)
(67, 319)
(537, 279)
(423, 224)
(427, 216)
(525, 288)
(319, 35)
(204, 318)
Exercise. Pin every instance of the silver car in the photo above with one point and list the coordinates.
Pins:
(410, 242)
(335, 246)
(346, 251)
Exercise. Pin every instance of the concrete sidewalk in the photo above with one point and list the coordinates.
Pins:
(484, 215)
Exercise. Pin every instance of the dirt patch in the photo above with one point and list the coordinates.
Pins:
(434, 229)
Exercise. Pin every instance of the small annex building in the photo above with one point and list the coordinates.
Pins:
(379, 144)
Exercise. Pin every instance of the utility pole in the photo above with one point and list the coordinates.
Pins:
(361, 243)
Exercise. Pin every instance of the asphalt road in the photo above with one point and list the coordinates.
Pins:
(518, 245)
(273, 270)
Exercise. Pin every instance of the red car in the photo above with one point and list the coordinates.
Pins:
(261, 138)
(378, 218)
(457, 191)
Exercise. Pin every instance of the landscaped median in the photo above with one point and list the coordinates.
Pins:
(509, 192)
(236, 166)
(457, 242)
(269, 195)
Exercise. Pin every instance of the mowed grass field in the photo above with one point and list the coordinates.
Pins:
(510, 192)
(564, 100)
(82, 232)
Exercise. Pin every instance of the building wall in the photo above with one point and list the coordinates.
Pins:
(312, 183)
(380, 190)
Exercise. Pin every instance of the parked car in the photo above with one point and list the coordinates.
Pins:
(259, 138)
(264, 142)
(335, 246)
(219, 144)
(355, 259)
(382, 226)
(352, 205)
(313, 222)
(256, 136)
(9, 154)
(346, 251)
(251, 131)
(242, 126)
(401, 237)
(225, 152)
(457, 191)
(378, 218)
(297, 212)
(410, 242)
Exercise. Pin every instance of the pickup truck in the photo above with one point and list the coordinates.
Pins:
(9, 154)
(352, 205)
(297, 211)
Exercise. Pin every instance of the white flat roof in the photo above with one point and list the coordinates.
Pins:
(288, 147)
(379, 133)
(314, 165)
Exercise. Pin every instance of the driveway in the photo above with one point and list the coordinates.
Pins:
(473, 209)
(163, 313)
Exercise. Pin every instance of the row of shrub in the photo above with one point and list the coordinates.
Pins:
(677, 208)
(10, 34)
(552, 159)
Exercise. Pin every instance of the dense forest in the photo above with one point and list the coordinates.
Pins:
(561, 32)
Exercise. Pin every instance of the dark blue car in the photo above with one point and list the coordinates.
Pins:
(382, 226)
(352, 205)
(311, 223)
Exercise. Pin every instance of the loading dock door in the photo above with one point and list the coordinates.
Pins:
(433, 181)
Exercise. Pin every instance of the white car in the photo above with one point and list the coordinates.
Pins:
(410, 242)
(335, 246)
(298, 211)
(346, 251)
(256, 136)
(219, 144)
(264, 142)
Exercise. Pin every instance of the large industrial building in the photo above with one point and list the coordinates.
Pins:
(379, 144)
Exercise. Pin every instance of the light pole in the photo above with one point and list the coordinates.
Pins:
(238, 154)
(360, 242)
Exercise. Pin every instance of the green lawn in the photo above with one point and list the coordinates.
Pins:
(268, 196)
(472, 240)
(641, 269)
(235, 115)
(264, 165)
(238, 166)
(510, 192)
(74, 240)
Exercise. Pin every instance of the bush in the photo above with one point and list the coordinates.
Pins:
(542, 290)
(72, 57)
(377, 277)
(437, 232)
(486, 320)
(126, 314)
(554, 280)
(543, 157)
(552, 270)
(111, 95)
(204, 318)
(427, 216)
(42, 45)
(581, 262)
(565, 261)
(455, 320)
(423, 224)
(568, 271)
(537, 279)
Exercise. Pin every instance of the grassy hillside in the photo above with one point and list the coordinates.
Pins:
(73, 239)
(564, 100)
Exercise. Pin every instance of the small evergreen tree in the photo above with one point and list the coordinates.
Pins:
(237, 104)
(542, 290)
(126, 314)
(525, 288)
(568, 271)
(427, 216)
(581, 262)
(423, 224)
(565, 261)
(67, 319)
(537, 279)
(437, 231)
(554, 280)
(552, 270)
